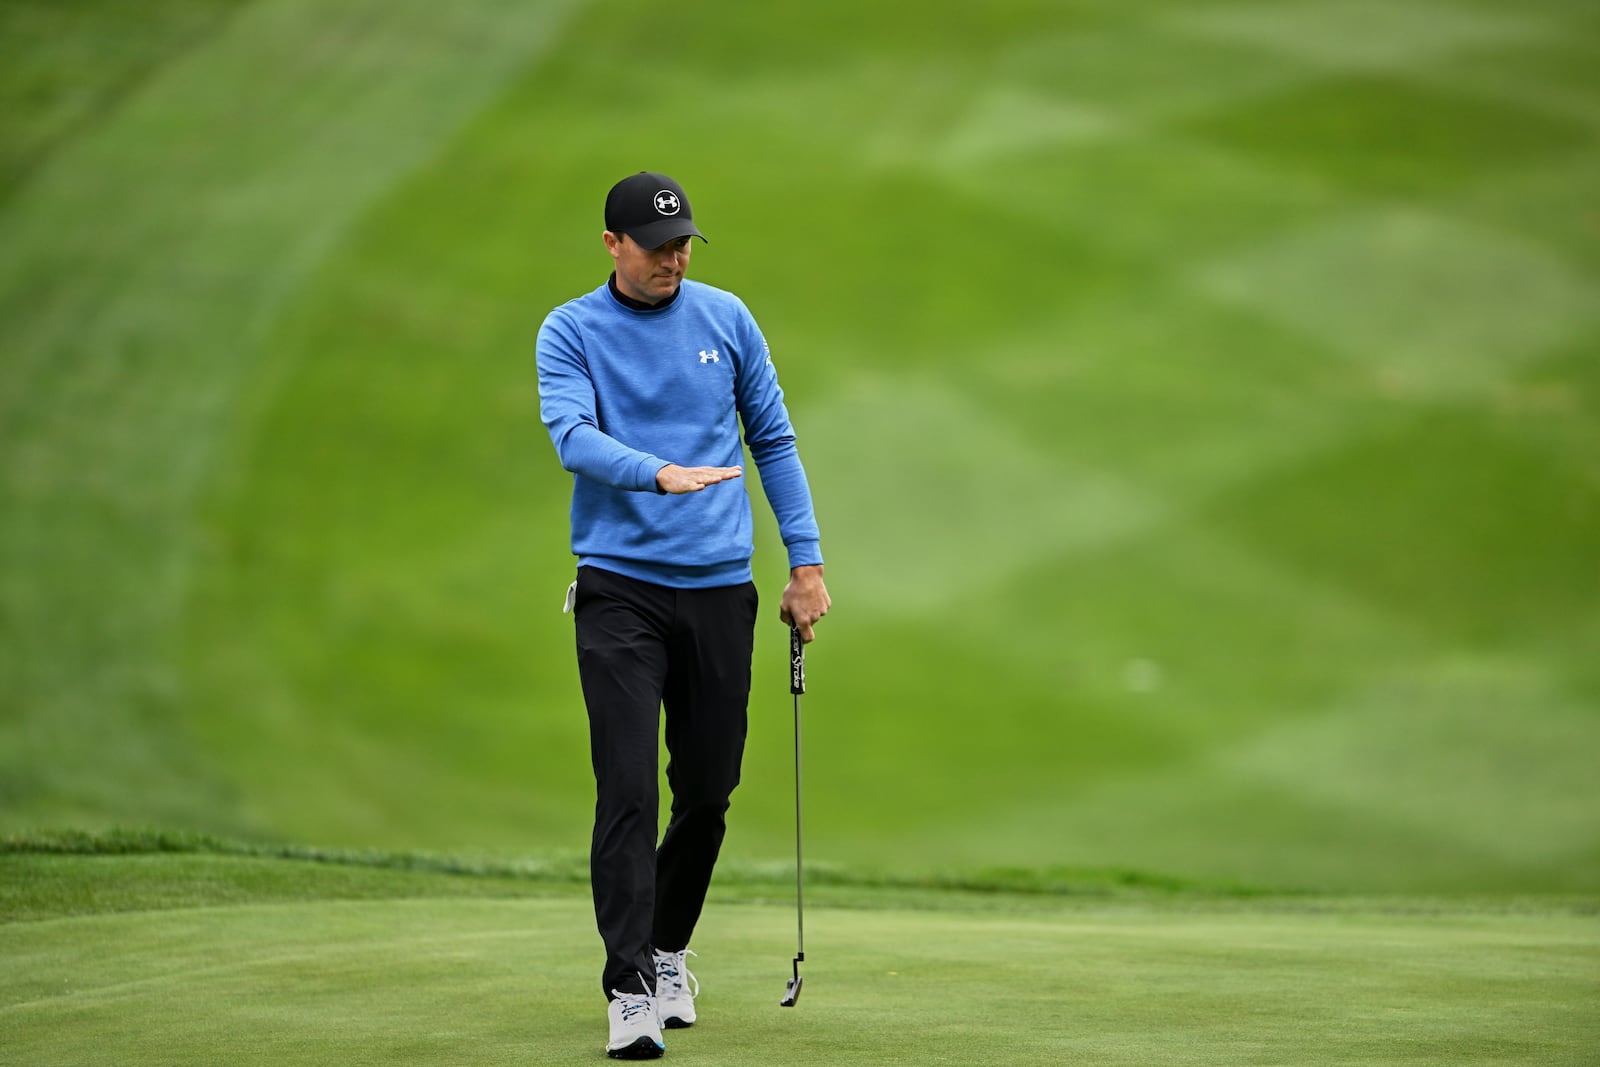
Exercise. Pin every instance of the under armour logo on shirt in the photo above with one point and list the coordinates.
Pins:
(709, 357)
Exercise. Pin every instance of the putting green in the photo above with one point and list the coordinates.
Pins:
(291, 977)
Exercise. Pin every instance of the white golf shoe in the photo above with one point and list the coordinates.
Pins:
(635, 1031)
(676, 989)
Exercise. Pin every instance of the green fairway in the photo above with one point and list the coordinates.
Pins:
(281, 962)
(1200, 403)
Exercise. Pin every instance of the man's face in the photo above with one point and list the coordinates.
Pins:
(648, 274)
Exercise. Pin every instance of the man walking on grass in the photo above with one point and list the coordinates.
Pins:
(644, 383)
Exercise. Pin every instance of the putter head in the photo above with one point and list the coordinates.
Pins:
(791, 992)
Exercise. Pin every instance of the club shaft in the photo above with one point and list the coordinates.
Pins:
(799, 863)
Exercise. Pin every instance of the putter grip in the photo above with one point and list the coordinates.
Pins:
(797, 662)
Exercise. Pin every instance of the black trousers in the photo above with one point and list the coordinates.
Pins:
(641, 648)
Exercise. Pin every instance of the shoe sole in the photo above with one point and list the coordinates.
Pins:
(675, 1023)
(641, 1049)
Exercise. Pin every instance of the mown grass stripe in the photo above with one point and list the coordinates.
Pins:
(142, 269)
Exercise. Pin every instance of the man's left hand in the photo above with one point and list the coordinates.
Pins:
(805, 600)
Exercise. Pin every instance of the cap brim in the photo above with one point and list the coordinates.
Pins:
(656, 234)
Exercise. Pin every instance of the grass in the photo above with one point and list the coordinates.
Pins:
(842, 885)
(1200, 402)
(1274, 433)
(201, 954)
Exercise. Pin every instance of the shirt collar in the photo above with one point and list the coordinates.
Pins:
(639, 305)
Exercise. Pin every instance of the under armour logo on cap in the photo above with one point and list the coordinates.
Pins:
(651, 208)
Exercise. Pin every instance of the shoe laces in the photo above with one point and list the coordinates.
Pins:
(631, 1004)
(672, 969)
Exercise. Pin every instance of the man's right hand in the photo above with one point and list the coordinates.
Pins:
(675, 479)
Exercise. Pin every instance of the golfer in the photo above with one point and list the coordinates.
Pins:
(643, 384)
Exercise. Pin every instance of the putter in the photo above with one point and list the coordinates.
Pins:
(797, 685)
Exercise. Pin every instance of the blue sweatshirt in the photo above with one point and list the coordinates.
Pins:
(624, 392)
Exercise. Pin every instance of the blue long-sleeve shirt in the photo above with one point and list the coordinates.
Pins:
(624, 392)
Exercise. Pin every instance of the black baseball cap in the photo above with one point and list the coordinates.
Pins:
(651, 208)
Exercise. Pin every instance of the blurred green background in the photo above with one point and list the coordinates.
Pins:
(1201, 401)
